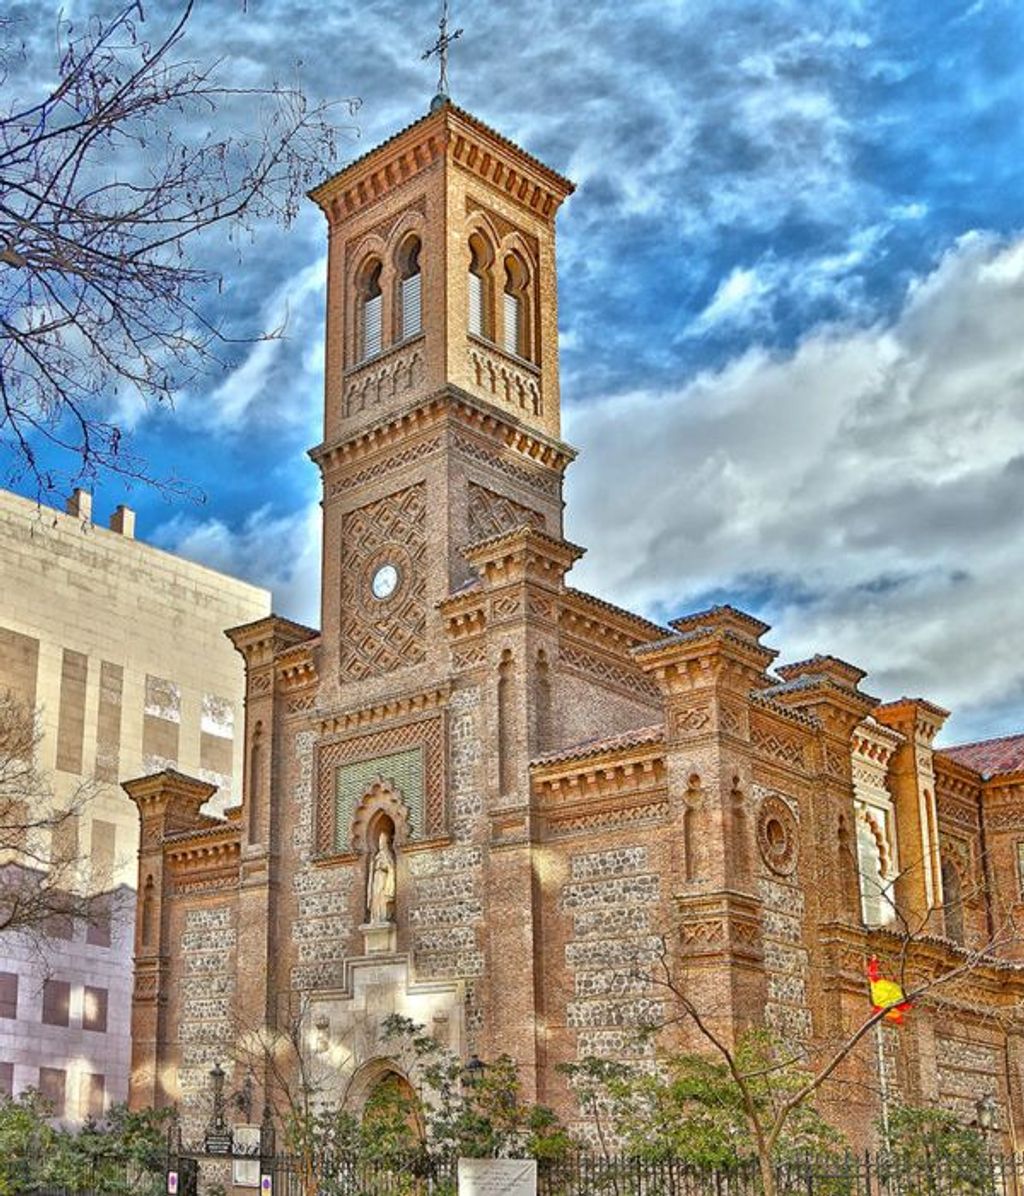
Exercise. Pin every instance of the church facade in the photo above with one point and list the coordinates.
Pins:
(478, 796)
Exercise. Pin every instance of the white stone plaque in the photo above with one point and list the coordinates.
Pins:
(497, 1177)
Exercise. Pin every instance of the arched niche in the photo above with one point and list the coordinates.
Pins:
(381, 799)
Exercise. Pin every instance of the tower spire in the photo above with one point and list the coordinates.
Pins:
(440, 48)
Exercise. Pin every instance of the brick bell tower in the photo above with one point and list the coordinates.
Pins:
(441, 423)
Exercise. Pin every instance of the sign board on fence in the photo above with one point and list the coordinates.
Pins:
(267, 1185)
(172, 1183)
(245, 1171)
(497, 1177)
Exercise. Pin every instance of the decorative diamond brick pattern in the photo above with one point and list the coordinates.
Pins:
(379, 637)
(491, 514)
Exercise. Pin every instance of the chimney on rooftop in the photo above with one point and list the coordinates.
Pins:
(123, 521)
(79, 504)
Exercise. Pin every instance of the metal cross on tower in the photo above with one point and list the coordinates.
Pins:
(440, 48)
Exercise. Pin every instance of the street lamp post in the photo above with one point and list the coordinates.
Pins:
(473, 1072)
(986, 1118)
(218, 1135)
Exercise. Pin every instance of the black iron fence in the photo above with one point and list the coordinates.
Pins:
(591, 1175)
(594, 1175)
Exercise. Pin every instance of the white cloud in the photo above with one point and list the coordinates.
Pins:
(286, 316)
(280, 552)
(737, 299)
(864, 490)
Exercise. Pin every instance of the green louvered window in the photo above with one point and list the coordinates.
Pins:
(403, 770)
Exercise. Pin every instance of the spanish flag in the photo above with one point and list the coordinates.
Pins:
(886, 994)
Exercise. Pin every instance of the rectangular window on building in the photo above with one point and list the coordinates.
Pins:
(94, 1009)
(6, 1079)
(412, 311)
(8, 994)
(161, 724)
(15, 832)
(92, 1096)
(71, 713)
(52, 1085)
(108, 722)
(217, 745)
(64, 842)
(511, 341)
(59, 923)
(1020, 866)
(476, 305)
(102, 852)
(373, 331)
(98, 927)
(56, 1002)
(19, 666)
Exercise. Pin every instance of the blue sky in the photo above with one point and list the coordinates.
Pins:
(791, 305)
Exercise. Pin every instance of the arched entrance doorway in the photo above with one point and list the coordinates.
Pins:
(387, 1103)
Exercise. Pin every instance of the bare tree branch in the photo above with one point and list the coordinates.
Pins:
(44, 881)
(108, 183)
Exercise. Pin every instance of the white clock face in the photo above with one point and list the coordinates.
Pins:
(385, 581)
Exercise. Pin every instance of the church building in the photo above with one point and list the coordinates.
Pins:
(478, 795)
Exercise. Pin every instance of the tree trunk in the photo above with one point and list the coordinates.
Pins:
(767, 1169)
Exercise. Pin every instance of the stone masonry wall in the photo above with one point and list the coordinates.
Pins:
(787, 1011)
(206, 1025)
(967, 1071)
(323, 921)
(611, 896)
(446, 906)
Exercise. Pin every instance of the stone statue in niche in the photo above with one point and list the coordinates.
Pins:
(381, 883)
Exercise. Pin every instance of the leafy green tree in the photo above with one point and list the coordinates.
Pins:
(26, 1138)
(690, 1107)
(123, 1155)
(485, 1118)
(929, 1152)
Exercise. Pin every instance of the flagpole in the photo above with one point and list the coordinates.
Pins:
(883, 1083)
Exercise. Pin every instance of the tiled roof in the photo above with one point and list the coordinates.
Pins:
(603, 604)
(470, 119)
(638, 737)
(990, 757)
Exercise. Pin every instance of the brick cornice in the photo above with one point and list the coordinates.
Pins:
(602, 773)
(603, 624)
(468, 142)
(398, 706)
(523, 554)
(452, 405)
(261, 641)
(917, 719)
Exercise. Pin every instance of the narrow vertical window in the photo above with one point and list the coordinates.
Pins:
(148, 911)
(480, 258)
(953, 902)
(506, 774)
(476, 304)
(410, 315)
(371, 303)
(543, 729)
(255, 783)
(515, 335)
(512, 315)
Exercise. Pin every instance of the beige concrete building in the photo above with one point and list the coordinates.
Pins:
(120, 648)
